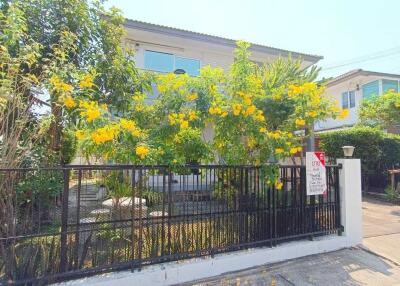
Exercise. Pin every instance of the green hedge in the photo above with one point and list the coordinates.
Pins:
(377, 150)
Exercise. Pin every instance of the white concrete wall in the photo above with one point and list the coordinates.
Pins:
(335, 91)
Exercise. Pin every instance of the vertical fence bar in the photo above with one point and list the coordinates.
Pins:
(133, 182)
(64, 222)
(170, 178)
(78, 208)
(140, 241)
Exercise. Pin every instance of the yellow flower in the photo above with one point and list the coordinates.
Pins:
(65, 87)
(275, 135)
(192, 97)
(300, 122)
(312, 114)
(192, 115)
(92, 114)
(91, 111)
(236, 109)
(69, 102)
(162, 88)
(247, 99)
(173, 118)
(184, 124)
(212, 88)
(142, 151)
(277, 97)
(250, 110)
(139, 107)
(260, 117)
(278, 185)
(263, 130)
(224, 114)
(79, 134)
(105, 134)
(294, 150)
(251, 142)
(343, 114)
(181, 116)
(128, 124)
(279, 151)
(86, 82)
(215, 110)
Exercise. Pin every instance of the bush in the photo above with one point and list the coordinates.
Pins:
(377, 150)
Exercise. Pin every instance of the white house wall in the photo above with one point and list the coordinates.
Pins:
(335, 91)
(211, 54)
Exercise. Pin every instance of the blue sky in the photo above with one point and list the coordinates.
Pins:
(364, 33)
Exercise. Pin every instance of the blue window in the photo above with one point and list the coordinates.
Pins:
(352, 99)
(190, 66)
(389, 85)
(156, 61)
(345, 100)
(348, 99)
(370, 89)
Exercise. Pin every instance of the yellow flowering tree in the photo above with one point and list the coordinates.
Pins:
(254, 112)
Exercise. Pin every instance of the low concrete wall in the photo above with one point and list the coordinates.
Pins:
(197, 268)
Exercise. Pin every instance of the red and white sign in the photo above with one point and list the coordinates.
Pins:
(315, 173)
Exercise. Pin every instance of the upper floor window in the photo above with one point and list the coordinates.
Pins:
(190, 66)
(161, 62)
(164, 62)
(348, 99)
(389, 85)
(370, 89)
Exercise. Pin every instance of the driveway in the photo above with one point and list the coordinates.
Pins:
(377, 262)
(381, 226)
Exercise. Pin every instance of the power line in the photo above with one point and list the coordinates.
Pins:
(365, 58)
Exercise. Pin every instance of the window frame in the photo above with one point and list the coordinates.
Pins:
(347, 95)
(174, 56)
(158, 70)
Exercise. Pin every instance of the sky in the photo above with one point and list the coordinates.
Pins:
(349, 34)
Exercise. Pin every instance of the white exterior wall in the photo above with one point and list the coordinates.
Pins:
(335, 91)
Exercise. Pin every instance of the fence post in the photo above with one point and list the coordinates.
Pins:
(64, 222)
(350, 200)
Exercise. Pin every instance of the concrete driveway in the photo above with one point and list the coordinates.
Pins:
(381, 226)
(377, 262)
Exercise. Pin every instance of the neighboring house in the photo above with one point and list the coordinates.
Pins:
(349, 89)
(165, 49)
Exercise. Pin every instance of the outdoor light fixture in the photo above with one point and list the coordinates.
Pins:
(348, 151)
(179, 71)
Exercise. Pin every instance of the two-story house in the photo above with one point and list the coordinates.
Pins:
(351, 88)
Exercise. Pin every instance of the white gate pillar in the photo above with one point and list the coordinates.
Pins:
(350, 200)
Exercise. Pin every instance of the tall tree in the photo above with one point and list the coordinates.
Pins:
(98, 47)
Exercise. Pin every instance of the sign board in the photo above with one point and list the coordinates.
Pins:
(315, 173)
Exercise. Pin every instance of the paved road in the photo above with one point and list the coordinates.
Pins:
(376, 263)
(381, 225)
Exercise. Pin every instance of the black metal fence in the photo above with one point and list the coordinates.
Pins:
(80, 220)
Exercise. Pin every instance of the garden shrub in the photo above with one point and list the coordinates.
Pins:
(377, 150)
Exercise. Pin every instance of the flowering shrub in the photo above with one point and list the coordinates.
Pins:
(241, 107)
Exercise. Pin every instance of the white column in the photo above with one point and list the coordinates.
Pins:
(350, 200)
